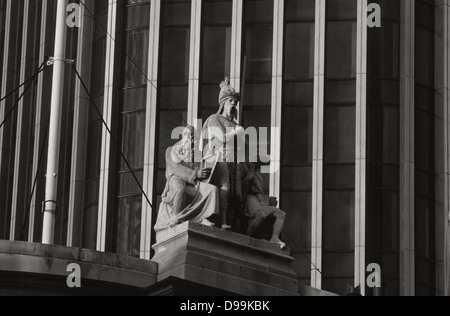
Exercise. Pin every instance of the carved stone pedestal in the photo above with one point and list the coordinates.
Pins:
(226, 261)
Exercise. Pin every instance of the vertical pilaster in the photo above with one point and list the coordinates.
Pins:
(277, 98)
(318, 139)
(361, 145)
(80, 128)
(10, 75)
(194, 61)
(105, 162)
(150, 129)
(442, 147)
(236, 43)
(407, 155)
(20, 158)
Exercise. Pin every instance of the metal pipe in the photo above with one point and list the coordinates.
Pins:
(51, 187)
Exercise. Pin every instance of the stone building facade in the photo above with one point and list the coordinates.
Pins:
(360, 125)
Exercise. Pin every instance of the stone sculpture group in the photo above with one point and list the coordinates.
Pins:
(219, 191)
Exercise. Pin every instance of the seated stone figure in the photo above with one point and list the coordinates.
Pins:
(265, 220)
(186, 197)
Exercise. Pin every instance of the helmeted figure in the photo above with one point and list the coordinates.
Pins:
(220, 129)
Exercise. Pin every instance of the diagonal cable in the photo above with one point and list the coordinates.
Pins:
(33, 190)
(21, 85)
(312, 263)
(30, 82)
(112, 136)
(135, 64)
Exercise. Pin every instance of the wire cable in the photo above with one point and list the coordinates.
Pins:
(163, 97)
(20, 86)
(41, 157)
(111, 135)
(315, 268)
(31, 80)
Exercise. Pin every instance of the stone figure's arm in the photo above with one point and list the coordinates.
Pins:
(214, 135)
(187, 174)
(266, 199)
(253, 205)
(237, 131)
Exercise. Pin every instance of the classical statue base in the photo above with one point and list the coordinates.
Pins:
(225, 260)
